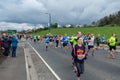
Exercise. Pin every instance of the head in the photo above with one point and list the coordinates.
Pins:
(4, 34)
(13, 34)
(65, 34)
(79, 40)
(92, 35)
(79, 34)
(114, 35)
(98, 35)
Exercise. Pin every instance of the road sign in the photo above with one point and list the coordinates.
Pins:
(12, 31)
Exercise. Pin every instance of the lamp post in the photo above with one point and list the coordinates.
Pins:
(49, 23)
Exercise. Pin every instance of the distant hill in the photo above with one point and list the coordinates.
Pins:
(112, 20)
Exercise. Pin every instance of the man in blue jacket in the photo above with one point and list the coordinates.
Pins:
(14, 45)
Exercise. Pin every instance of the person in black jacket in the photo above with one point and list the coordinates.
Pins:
(10, 42)
(6, 45)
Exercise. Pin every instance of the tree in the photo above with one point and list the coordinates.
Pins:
(93, 23)
(55, 25)
(112, 19)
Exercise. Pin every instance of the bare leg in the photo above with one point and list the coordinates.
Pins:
(78, 78)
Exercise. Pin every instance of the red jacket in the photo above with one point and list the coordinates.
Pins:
(1, 43)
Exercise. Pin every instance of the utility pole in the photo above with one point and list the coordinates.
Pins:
(49, 22)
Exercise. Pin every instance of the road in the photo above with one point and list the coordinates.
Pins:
(96, 68)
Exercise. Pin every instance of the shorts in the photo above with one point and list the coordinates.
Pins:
(34, 40)
(47, 42)
(64, 44)
(90, 47)
(38, 39)
(112, 47)
(98, 44)
(71, 43)
(50, 40)
(103, 42)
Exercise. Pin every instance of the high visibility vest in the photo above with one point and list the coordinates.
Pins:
(35, 37)
(112, 41)
(74, 41)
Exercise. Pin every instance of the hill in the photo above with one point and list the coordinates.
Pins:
(112, 19)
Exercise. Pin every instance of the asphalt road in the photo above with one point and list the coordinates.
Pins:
(96, 68)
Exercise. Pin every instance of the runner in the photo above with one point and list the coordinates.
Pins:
(46, 43)
(31, 37)
(35, 38)
(65, 42)
(112, 46)
(57, 41)
(97, 40)
(74, 42)
(51, 39)
(38, 38)
(74, 39)
(91, 43)
(103, 40)
(79, 55)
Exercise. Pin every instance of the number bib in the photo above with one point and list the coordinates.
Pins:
(80, 56)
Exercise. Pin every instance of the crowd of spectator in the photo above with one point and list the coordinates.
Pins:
(8, 45)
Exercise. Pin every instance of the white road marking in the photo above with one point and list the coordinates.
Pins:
(27, 70)
(58, 78)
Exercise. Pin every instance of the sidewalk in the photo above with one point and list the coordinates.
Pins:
(13, 68)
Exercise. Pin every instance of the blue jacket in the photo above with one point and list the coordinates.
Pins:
(14, 41)
(47, 40)
(65, 40)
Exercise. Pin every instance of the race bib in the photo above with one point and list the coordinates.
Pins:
(80, 56)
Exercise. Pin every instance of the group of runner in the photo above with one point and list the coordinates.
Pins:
(81, 45)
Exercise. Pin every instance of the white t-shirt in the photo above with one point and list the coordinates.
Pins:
(91, 43)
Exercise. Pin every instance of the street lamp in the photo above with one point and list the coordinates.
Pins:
(49, 23)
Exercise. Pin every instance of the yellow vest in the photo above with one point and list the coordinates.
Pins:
(112, 41)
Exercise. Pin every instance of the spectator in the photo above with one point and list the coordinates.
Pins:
(14, 45)
(6, 45)
(1, 46)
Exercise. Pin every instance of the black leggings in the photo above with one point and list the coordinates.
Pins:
(57, 42)
(80, 68)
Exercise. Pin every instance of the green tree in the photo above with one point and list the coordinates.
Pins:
(55, 25)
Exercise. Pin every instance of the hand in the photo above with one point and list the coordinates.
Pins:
(83, 56)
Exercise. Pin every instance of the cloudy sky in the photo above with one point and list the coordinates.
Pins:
(21, 13)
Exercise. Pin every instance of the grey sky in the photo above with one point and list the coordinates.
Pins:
(62, 11)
